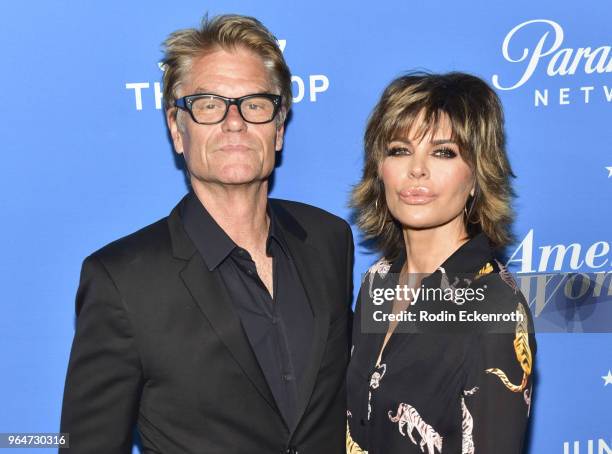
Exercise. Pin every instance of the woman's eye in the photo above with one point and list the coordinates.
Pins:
(397, 151)
(445, 153)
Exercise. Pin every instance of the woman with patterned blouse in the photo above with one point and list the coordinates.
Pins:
(443, 346)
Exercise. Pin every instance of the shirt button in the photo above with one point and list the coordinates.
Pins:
(274, 320)
(287, 377)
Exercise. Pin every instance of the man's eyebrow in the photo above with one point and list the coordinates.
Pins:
(203, 90)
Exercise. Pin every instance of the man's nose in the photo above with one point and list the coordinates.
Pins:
(233, 120)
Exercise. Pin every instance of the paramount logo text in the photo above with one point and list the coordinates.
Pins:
(559, 62)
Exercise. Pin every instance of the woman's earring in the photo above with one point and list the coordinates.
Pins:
(469, 211)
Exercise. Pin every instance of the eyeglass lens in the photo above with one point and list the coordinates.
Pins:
(210, 109)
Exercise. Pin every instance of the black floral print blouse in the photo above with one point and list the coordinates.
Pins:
(442, 387)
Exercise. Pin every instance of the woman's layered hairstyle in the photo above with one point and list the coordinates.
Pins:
(477, 122)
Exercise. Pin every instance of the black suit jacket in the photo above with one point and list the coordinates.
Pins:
(158, 344)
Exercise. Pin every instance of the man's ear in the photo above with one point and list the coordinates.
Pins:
(280, 137)
(173, 127)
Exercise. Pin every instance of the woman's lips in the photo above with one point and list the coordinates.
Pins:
(416, 196)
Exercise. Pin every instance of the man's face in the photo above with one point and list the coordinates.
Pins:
(232, 152)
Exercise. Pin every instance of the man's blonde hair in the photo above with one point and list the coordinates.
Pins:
(226, 32)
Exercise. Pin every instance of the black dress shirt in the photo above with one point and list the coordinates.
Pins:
(279, 328)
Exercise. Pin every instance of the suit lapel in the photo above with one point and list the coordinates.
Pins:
(306, 259)
(215, 304)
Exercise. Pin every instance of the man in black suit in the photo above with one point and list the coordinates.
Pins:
(222, 328)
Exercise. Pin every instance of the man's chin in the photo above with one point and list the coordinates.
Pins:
(239, 177)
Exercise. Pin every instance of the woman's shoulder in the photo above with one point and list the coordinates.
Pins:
(499, 283)
(376, 275)
(380, 268)
(502, 296)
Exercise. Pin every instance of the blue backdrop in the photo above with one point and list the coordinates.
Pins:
(87, 159)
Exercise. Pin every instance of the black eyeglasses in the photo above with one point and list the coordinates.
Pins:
(208, 109)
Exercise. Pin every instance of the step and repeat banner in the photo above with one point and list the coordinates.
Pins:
(87, 159)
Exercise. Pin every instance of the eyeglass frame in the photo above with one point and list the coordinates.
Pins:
(186, 102)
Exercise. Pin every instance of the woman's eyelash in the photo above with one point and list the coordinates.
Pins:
(445, 152)
(396, 151)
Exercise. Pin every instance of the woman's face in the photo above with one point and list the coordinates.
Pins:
(427, 182)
